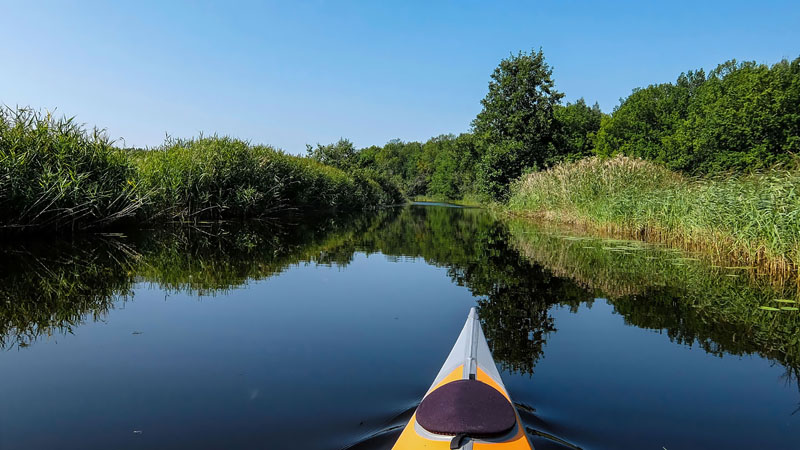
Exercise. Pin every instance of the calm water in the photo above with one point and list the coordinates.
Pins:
(324, 334)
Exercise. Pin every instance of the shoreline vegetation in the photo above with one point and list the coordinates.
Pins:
(752, 220)
(707, 162)
(55, 175)
(472, 202)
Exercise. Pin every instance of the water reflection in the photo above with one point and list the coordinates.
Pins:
(516, 270)
(694, 303)
(48, 288)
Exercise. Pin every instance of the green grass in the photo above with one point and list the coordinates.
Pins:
(57, 175)
(220, 177)
(749, 219)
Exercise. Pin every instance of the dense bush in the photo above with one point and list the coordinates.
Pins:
(451, 166)
(56, 174)
(577, 125)
(341, 154)
(743, 116)
(221, 177)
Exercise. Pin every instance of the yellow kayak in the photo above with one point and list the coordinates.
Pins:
(467, 407)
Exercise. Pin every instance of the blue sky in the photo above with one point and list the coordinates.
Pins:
(290, 73)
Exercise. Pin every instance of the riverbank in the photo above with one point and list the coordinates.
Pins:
(750, 220)
(57, 175)
(470, 201)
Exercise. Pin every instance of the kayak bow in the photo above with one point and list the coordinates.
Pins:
(467, 406)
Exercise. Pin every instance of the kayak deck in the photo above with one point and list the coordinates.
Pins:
(470, 359)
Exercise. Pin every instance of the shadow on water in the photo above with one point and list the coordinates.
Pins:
(518, 272)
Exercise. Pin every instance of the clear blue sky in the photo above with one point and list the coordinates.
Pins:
(290, 73)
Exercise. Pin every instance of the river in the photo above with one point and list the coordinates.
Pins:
(324, 333)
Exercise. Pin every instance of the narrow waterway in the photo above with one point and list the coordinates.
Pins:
(323, 333)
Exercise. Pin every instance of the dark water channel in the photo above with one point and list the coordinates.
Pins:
(325, 333)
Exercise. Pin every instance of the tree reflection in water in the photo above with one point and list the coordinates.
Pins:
(516, 271)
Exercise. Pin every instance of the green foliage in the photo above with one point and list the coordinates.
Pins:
(443, 167)
(56, 174)
(519, 105)
(746, 116)
(454, 164)
(340, 154)
(500, 165)
(517, 122)
(517, 130)
(223, 177)
(577, 127)
(444, 180)
(375, 183)
(211, 178)
(521, 128)
(752, 218)
(743, 116)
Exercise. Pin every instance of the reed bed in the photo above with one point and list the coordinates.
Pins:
(54, 173)
(57, 175)
(750, 220)
(221, 177)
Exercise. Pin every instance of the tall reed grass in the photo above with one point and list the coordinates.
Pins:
(751, 219)
(55, 175)
(219, 177)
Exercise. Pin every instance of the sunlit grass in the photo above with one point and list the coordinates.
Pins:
(751, 219)
(56, 175)
(219, 177)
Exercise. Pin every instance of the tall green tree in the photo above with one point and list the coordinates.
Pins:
(646, 122)
(516, 124)
(743, 116)
(341, 154)
(578, 124)
(449, 163)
